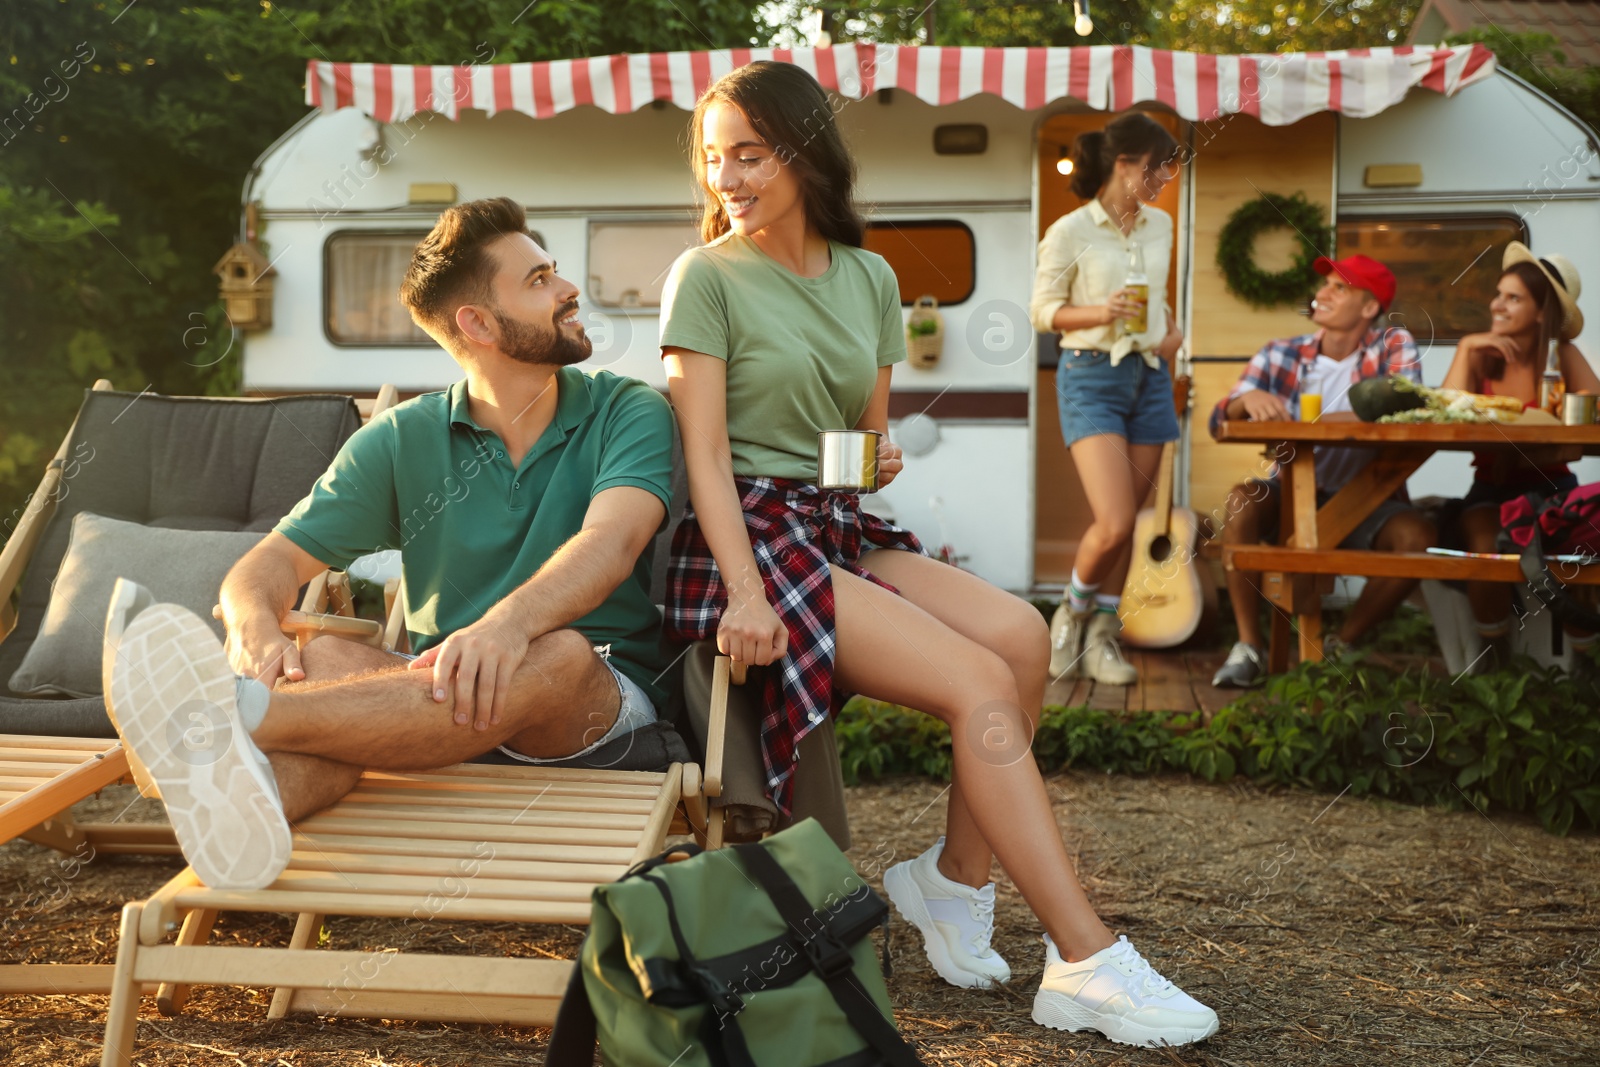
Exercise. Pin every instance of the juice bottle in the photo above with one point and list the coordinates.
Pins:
(1139, 282)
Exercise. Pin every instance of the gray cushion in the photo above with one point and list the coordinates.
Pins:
(194, 463)
(183, 567)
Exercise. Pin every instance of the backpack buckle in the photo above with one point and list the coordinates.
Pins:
(717, 992)
(829, 957)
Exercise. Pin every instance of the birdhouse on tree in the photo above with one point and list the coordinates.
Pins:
(246, 286)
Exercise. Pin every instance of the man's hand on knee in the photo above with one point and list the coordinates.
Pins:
(474, 665)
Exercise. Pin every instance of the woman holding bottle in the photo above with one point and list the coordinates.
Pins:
(1533, 320)
(1102, 285)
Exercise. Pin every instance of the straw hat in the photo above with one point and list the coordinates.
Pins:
(1563, 277)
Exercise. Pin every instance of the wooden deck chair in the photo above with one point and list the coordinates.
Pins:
(194, 463)
(473, 842)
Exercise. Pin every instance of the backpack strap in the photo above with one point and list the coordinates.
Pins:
(573, 1040)
(830, 958)
(1552, 592)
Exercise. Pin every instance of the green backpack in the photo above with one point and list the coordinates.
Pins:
(751, 955)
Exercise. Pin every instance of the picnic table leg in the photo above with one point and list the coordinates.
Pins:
(1300, 491)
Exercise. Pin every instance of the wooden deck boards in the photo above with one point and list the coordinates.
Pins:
(1169, 681)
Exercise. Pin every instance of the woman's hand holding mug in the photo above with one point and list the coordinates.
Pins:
(890, 462)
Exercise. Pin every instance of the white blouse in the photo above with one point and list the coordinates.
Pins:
(1083, 259)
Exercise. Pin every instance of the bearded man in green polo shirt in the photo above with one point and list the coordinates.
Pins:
(522, 501)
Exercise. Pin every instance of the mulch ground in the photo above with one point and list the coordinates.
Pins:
(1325, 931)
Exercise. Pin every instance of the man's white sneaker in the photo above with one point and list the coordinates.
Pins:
(1103, 660)
(1119, 994)
(174, 701)
(957, 921)
(1066, 641)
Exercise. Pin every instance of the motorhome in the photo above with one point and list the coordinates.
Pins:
(1429, 159)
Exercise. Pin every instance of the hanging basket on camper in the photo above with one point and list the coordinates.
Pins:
(924, 333)
(1236, 249)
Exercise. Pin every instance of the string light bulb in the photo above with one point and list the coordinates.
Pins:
(1082, 24)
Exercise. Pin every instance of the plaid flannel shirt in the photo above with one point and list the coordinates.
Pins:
(796, 531)
(1278, 367)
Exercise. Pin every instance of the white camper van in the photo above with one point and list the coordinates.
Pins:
(1428, 159)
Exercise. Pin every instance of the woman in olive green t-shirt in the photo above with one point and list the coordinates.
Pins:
(782, 326)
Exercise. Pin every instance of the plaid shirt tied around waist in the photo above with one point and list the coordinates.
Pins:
(796, 530)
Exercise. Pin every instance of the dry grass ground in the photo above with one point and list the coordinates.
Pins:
(1324, 931)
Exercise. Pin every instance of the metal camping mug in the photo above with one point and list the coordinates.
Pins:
(1578, 409)
(848, 459)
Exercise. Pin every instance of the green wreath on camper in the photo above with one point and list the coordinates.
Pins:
(1236, 249)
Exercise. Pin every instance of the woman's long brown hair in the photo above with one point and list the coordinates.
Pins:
(791, 113)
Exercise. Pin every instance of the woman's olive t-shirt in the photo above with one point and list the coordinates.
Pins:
(803, 353)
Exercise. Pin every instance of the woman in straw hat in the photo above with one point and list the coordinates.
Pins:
(1535, 304)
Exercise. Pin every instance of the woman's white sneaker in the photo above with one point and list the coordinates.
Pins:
(1118, 993)
(957, 921)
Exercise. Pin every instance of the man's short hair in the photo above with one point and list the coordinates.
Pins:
(452, 265)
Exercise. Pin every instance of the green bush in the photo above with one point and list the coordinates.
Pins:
(1524, 740)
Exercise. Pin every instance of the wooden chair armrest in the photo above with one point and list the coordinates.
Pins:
(723, 671)
(304, 625)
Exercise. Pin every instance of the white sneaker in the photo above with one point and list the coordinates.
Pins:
(175, 706)
(1102, 654)
(957, 921)
(1119, 994)
(1066, 641)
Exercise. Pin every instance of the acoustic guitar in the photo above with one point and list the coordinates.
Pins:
(1162, 601)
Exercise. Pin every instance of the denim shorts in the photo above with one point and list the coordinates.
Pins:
(1132, 400)
(636, 710)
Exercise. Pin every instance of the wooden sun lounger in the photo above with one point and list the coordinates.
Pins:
(42, 777)
(467, 843)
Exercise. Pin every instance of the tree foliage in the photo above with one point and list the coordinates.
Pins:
(126, 132)
(1238, 26)
(1537, 58)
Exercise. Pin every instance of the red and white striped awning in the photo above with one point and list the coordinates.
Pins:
(1277, 89)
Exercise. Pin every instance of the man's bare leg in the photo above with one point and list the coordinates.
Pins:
(1243, 527)
(307, 784)
(1407, 531)
(562, 699)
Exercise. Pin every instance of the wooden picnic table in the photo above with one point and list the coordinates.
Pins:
(1290, 570)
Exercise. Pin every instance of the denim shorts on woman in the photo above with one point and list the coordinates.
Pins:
(1132, 400)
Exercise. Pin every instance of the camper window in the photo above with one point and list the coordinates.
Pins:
(1446, 267)
(936, 258)
(629, 261)
(361, 275)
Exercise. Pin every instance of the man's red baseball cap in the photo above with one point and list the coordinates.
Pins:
(1362, 272)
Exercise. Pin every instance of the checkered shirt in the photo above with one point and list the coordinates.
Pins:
(1277, 368)
(796, 531)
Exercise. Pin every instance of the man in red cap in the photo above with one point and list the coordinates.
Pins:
(1350, 345)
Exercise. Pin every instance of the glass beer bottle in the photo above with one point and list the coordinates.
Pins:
(1139, 283)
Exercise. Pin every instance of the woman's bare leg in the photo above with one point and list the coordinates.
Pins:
(1491, 601)
(891, 649)
(1117, 478)
(1009, 627)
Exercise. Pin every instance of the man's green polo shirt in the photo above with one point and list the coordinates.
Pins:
(425, 479)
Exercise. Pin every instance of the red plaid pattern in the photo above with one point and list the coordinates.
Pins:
(796, 531)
